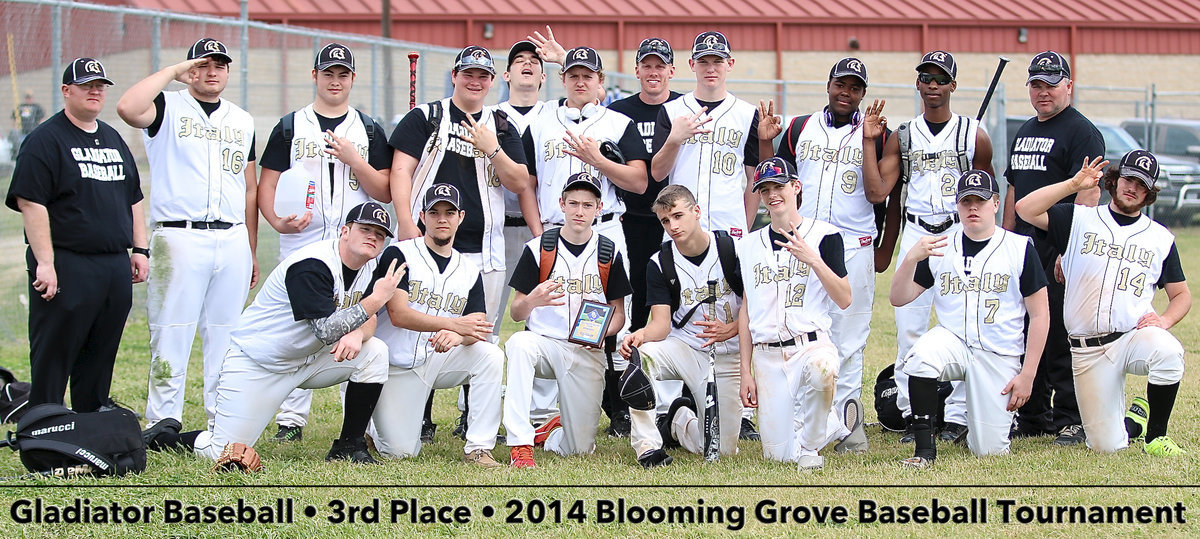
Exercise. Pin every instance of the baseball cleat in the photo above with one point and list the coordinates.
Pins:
(810, 463)
(289, 434)
(521, 456)
(1162, 447)
(654, 458)
(149, 435)
(919, 463)
(1139, 414)
(460, 430)
(665, 421)
(541, 433)
(856, 441)
(482, 458)
(1071, 435)
(910, 435)
(352, 450)
(619, 425)
(952, 432)
(427, 432)
(749, 430)
(1022, 432)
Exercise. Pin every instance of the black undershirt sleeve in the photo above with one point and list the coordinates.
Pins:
(525, 277)
(750, 155)
(476, 303)
(310, 289)
(833, 253)
(1033, 277)
(923, 276)
(657, 291)
(276, 154)
(1172, 271)
(530, 154)
(390, 254)
(160, 106)
(662, 128)
(1059, 230)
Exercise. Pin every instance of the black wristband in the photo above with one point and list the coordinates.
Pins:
(140, 251)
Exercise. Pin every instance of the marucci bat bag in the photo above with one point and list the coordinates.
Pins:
(52, 437)
(14, 397)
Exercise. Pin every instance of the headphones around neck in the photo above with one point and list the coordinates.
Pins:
(588, 110)
(855, 118)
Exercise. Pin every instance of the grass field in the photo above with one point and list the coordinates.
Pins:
(1035, 474)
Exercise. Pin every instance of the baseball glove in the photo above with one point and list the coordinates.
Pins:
(238, 456)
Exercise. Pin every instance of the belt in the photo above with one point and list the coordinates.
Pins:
(933, 229)
(602, 219)
(517, 220)
(197, 225)
(1092, 342)
(804, 338)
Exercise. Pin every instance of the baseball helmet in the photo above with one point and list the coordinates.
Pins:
(634, 387)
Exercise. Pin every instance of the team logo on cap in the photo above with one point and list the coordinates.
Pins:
(442, 190)
(711, 41)
(1045, 61)
(380, 214)
(479, 54)
(212, 46)
(581, 54)
(655, 43)
(974, 180)
(1144, 162)
(337, 52)
(855, 65)
(93, 67)
(938, 56)
(584, 177)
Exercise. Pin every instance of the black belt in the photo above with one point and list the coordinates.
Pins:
(602, 219)
(804, 338)
(518, 220)
(1092, 342)
(933, 229)
(197, 225)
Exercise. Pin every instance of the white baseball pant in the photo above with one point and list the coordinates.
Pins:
(912, 321)
(198, 279)
(579, 373)
(795, 396)
(545, 392)
(1100, 380)
(942, 355)
(248, 394)
(396, 424)
(851, 326)
(674, 359)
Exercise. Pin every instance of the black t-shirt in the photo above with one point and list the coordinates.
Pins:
(160, 105)
(277, 153)
(1045, 153)
(525, 277)
(1033, 278)
(310, 288)
(458, 164)
(476, 303)
(630, 145)
(87, 182)
(644, 116)
(1062, 218)
(749, 153)
(832, 250)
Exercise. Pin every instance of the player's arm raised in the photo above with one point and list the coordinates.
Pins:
(682, 128)
(904, 286)
(332, 328)
(837, 287)
(373, 181)
(630, 176)
(880, 173)
(136, 105)
(1033, 207)
(1021, 386)
(546, 293)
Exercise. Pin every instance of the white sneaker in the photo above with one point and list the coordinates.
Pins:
(808, 463)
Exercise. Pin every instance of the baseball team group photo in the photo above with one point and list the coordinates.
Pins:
(670, 289)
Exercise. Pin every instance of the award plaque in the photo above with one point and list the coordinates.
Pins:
(591, 325)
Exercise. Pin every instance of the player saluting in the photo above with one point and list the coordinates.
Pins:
(310, 326)
(436, 331)
(784, 322)
(576, 268)
(675, 342)
(983, 280)
(1113, 257)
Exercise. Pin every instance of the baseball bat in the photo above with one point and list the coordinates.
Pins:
(412, 79)
(987, 98)
(712, 427)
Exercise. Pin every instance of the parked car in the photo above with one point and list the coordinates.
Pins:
(1172, 137)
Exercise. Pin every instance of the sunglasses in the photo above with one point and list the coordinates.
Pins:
(1049, 69)
(769, 170)
(926, 78)
(471, 60)
(714, 46)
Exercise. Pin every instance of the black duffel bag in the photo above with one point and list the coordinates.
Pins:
(53, 438)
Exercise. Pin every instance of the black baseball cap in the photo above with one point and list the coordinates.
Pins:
(85, 70)
(207, 47)
(583, 56)
(442, 192)
(371, 213)
(655, 46)
(585, 180)
(1049, 67)
(334, 54)
(474, 57)
(519, 47)
(711, 44)
(1142, 165)
(978, 183)
(940, 59)
(635, 387)
(849, 66)
(774, 170)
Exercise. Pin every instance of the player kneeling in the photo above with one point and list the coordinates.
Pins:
(1113, 257)
(675, 344)
(984, 280)
(311, 326)
(565, 272)
(784, 321)
(436, 330)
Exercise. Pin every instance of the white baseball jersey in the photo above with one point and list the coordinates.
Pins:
(580, 277)
(933, 164)
(829, 162)
(197, 161)
(336, 194)
(512, 207)
(712, 165)
(490, 191)
(982, 304)
(1111, 271)
(430, 291)
(784, 298)
(693, 287)
(269, 333)
(554, 165)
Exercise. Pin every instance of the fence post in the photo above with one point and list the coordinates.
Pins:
(375, 86)
(155, 44)
(56, 53)
(245, 51)
(1151, 143)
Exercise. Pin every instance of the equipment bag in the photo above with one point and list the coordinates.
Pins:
(14, 397)
(52, 437)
